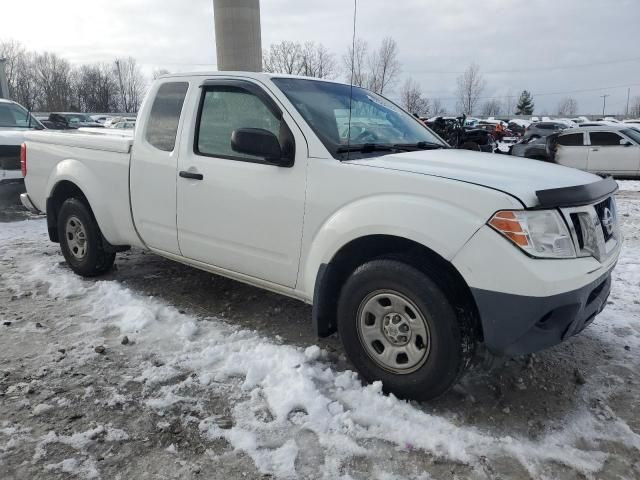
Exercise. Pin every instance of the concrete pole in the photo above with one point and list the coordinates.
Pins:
(238, 41)
(4, 87)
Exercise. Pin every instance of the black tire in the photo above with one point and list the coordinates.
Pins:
(452, 340)
(96, 259)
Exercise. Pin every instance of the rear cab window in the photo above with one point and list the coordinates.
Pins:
(571, 140)
(162, 127)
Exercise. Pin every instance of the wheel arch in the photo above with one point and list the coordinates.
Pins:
(332, 275)
(62, 190)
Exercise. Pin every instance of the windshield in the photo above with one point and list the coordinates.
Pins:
(14, 116)
(633, 134)
(375, 121)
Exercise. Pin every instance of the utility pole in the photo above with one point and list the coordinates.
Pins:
(4, 87)
(124, 100)
(628, 95)
(238, 36)
(604, 102)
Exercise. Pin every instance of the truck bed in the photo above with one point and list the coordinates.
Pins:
(98, 162)
(84, 139)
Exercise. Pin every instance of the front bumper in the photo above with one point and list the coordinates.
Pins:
(517, 324)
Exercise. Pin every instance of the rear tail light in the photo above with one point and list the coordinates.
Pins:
(23, 159)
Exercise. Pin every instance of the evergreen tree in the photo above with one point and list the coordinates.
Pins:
(525, 104)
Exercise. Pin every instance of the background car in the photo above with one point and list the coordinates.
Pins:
(543, 129)
(531, 147)
(69, 120)
(124, 125)
(15, 120)
(101, 118)
(601, 149)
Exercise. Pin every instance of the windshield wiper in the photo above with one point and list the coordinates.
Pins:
(367, 147)
(419, 146)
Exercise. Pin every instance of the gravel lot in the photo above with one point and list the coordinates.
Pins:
(160, 371)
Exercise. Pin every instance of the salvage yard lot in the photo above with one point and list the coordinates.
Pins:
(162, 371)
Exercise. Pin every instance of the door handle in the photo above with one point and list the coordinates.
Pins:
(191, 175)
(595, 149)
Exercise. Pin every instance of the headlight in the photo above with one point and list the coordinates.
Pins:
(540, 233)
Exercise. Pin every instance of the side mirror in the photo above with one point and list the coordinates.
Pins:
(625, 143)
(258, 142)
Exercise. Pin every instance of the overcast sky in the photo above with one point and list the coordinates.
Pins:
(545, 46)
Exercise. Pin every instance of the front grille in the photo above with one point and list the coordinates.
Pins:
(594, 228)
(606, 214)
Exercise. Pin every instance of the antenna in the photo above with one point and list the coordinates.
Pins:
(353, 66)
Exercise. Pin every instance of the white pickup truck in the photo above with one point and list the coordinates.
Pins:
(414, 252)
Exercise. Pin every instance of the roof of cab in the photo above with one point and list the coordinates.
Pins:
(255, 75)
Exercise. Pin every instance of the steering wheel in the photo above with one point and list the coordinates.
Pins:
(366, 137)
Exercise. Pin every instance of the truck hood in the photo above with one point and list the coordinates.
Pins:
(519, 177)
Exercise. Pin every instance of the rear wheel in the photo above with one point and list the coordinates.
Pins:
(81, 241)
(398, 326)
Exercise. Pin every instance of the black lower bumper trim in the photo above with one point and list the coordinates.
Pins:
(518, 325)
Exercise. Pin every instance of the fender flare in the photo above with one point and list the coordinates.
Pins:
(379, 215)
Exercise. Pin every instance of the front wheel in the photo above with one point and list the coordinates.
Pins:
(398, 326)
(81, 240)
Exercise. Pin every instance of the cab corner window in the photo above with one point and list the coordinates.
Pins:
(225, 109)
(165, 115)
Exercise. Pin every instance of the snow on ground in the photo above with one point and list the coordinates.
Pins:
(629, 185)
(288, 402)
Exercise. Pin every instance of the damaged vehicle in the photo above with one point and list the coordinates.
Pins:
(458, 135)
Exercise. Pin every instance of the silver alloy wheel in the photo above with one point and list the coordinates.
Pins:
(76, 237)
(393, 331)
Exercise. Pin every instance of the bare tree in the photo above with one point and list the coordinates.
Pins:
(376, 70)
(283, 57)
(14, 54)
(54, 77)
(96, 88)
(491, 107)
(317, 61)
(412, 99)
(437, 107)
(384, 66)
(567, 107)
(311, 59)
(634, 108)
(19, 66)
(131, 82)
(354, 62)
(470, 87)
(47, 82)
(27, 89)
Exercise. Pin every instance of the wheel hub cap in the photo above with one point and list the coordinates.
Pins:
(393, 331)
(396, 328)
(76, 237)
